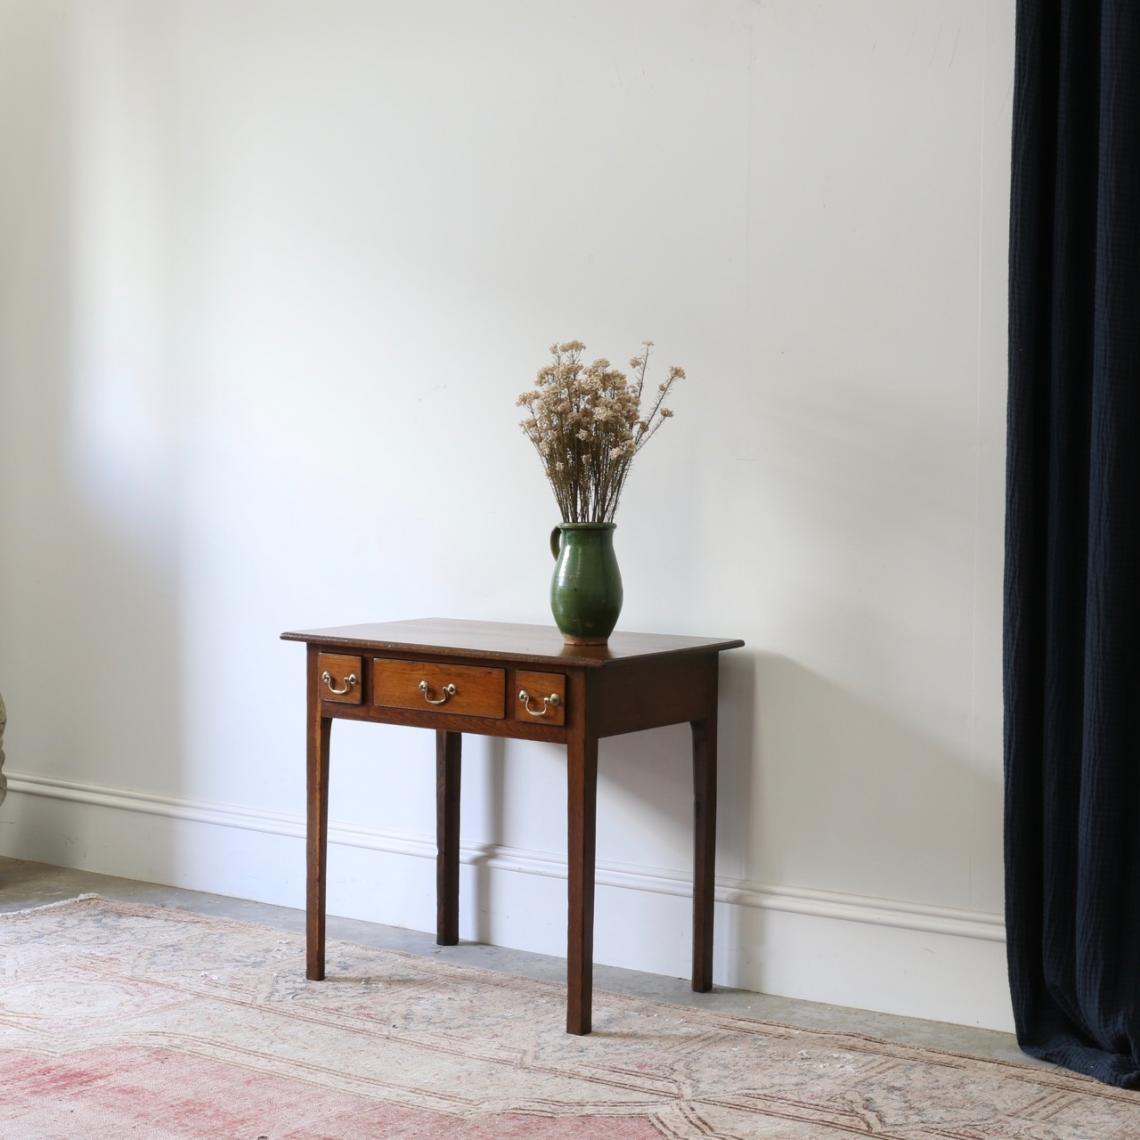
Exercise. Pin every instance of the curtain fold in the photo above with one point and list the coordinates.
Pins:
(1072, 576)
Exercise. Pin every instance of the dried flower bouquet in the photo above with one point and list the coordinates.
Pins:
(587, 424)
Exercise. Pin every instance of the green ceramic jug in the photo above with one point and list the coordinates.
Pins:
(585, 593)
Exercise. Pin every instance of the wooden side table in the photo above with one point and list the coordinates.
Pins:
(517, 681)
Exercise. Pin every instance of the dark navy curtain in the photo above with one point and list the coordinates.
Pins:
(1072, 582)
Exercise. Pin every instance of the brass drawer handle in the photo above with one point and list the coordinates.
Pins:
(349, 681)
(553, 701)
(447, 690)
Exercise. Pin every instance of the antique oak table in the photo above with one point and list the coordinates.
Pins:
(518, 681)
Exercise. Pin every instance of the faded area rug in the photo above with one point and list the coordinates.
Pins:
(124, 1021)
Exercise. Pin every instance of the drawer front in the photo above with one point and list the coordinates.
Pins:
(467, 690)
(340, 678)
(540, 697)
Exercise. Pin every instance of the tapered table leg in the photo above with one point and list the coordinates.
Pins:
(704, 850)
(582, 803)
(448, 751)
(317, 835)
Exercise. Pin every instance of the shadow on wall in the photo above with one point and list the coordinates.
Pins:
(860, 799)
(495, 783)
(94, 571)
(847, 798)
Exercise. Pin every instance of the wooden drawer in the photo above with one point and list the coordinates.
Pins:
(339, 678)
(467, 690)
(540, 697)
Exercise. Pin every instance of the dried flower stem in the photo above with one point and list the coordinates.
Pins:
(586, 424)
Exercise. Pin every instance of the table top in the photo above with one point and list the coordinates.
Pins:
(535, 644)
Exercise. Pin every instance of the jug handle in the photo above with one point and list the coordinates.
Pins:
(556, 542)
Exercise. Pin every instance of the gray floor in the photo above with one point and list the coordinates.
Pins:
(24, 884)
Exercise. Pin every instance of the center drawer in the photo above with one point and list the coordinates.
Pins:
(466, 690)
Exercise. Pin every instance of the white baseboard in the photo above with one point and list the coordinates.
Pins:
(896, 957)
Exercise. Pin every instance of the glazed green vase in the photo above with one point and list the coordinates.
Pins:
(585, 593)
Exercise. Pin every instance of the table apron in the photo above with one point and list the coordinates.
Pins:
(448, 722)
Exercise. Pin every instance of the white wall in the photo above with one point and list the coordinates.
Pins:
(272, 274)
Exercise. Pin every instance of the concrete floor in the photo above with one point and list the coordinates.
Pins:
(24, 884)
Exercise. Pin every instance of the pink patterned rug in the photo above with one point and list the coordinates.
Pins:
(133, 1021)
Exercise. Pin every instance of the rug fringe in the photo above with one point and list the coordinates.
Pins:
(87, 896)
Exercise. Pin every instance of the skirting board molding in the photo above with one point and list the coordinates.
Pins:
(825, 946)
